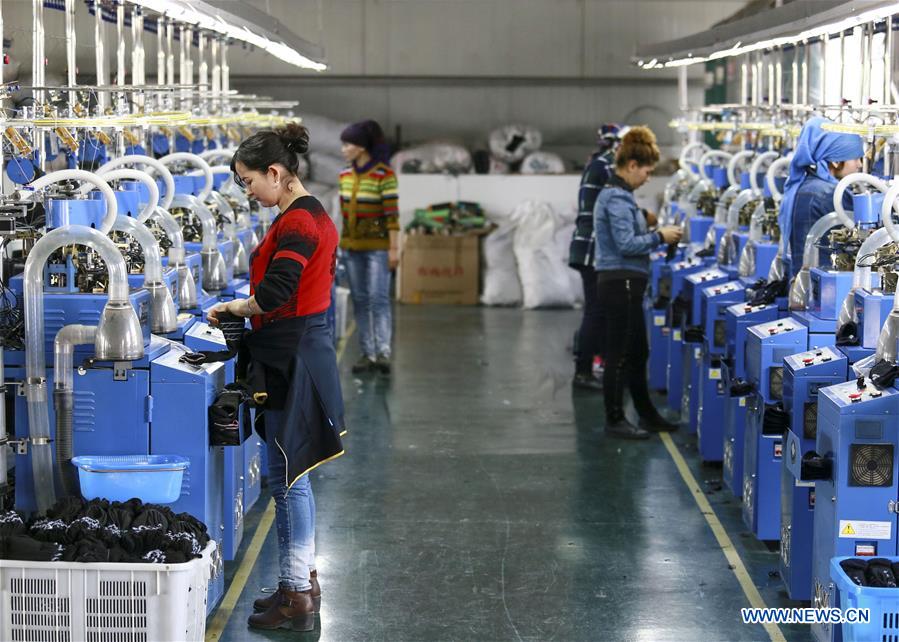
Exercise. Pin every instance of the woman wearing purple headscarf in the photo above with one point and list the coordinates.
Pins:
(370, 209)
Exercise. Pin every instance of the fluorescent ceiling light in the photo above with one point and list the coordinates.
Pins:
(739, 49)
(217, 20)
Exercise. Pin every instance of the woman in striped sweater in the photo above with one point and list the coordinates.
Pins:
(369, 206)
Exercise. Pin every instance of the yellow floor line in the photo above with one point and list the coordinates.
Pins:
(724, 541)
(226, 609)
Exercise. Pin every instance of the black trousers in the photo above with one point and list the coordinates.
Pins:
(590, 335)
(626, 346)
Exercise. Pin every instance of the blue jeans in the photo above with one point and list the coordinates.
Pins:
(294, 515)
(369, 274)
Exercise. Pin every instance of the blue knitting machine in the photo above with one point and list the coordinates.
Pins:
(767, 346)
(804, 375)
(857, 511)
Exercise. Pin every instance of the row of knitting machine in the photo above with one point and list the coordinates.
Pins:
(772, 360)
(116, 270)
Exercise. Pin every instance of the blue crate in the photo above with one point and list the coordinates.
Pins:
(883, 604)
(154, 479)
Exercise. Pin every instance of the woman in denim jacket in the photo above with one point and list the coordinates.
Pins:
(623, 245)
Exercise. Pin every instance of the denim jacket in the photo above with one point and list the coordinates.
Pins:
(623, 241)
(814, 200)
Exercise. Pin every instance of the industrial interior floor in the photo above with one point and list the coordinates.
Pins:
(479, 500)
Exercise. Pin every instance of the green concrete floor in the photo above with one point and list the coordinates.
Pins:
(480, 500)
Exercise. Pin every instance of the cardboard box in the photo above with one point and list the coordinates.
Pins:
(439, 269)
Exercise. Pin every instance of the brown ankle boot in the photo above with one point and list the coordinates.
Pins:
(293, 611)
(264, 603)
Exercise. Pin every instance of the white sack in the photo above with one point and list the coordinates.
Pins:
(543, 163)
(512, 143)
(501, 284)
(433, 158)
(541, 265)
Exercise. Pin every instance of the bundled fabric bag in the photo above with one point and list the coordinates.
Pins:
(542, 265)
(501, 284)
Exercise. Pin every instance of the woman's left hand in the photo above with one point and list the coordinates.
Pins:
(237, 307)
(393, 258)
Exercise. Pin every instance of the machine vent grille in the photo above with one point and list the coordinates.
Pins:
(720, 331)
(776, 383)
(871, 465)
(810, 420)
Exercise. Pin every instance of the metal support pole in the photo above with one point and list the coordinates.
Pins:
(37, 51)
(778, 79)
(824, 40)
(682, 90)
(170, 52)
(226, 70)
(744, 82)
(888, 62)
(772, 91)
(794, 90)
(120, 51)
(138, 59)
(805, 80)
(71, 68)
(203, 71)
(216, 69)
(100, 57)
(160, 51)
(842, 67)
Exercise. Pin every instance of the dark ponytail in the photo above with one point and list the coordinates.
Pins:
(265, 148)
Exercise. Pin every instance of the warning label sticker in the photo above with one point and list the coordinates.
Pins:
(714, 374)
(868, 530)
(676, 335)
(742, 402)
(659, 320)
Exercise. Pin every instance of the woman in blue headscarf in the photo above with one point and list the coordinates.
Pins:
(821, 159)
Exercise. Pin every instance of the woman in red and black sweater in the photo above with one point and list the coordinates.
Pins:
(291, 359)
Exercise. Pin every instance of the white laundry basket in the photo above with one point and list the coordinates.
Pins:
(102, 602)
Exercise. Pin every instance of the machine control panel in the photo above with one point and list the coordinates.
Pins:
(858, 391)
(707, 275)
(742, 309)
(811, 358)
(777, 327)
(724, 288)
(685, 265)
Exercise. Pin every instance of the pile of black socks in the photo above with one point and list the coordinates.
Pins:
(875, 572)
(75, 530)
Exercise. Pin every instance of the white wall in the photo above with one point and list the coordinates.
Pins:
(447, 68)
(458, 68)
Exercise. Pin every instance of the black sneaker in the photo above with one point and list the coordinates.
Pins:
(586, 382)
(365, 364)
(624, 429)
(382, 364)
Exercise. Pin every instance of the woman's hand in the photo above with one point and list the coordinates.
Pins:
(237, 307)
(671, 234)
(393, 259)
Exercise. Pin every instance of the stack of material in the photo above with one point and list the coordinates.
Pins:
(101, 531)
(448, 218)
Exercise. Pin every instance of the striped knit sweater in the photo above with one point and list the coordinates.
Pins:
(369, 205)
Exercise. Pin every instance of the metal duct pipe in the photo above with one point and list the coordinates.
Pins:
(801, 286)
(112, 206)
(63, 399)
(854, 179)
(861, 275)
(119, 338)
(163, 316)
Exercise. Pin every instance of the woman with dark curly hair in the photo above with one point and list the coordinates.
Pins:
(292, 367)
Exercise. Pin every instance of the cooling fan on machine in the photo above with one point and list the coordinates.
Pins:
(776, 382)
(810, 420)
(871, 465)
